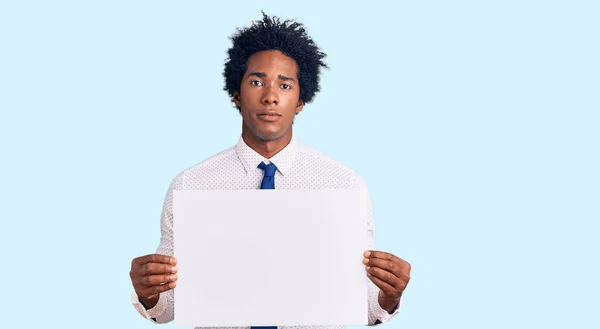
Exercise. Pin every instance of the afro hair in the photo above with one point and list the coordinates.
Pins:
(271, 33)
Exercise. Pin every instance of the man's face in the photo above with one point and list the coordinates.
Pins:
(269, 95)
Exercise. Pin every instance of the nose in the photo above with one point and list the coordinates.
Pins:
(270, 97)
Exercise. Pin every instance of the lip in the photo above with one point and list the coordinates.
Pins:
(269, 116)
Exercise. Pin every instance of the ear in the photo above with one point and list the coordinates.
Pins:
(299, 107)
(236, 99)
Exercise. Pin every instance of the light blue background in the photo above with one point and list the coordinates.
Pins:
(474, 123)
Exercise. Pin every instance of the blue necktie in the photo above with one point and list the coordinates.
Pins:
(268, 183)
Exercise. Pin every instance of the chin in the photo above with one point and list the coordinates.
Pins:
(266, 132)
(269, 135)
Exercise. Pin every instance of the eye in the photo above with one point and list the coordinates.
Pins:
(255, 83)
(286, 86)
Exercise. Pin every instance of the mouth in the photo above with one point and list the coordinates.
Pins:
(269, 116)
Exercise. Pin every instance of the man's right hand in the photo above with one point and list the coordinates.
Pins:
(151, 275)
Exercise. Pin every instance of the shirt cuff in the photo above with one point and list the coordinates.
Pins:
(151, 313)
(381, 315)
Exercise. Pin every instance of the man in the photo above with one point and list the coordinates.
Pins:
(272, 71)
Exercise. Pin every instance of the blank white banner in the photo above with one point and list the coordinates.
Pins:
(270, 257)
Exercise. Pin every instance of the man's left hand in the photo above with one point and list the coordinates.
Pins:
(388, 272)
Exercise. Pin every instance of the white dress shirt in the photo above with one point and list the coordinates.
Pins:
(298, 167)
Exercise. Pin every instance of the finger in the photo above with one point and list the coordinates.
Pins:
(154, 280)
(380, 255)
(404, 279)
(156, 268)
(157, 258)
(388, 265)
(154, 291)
(385, 287)
(406, 267)
(384, 276)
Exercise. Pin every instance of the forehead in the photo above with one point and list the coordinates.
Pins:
(272, 62)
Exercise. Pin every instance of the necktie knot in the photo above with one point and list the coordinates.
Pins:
(268, 168)
(268, 181)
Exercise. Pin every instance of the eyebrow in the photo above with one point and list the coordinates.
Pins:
(263, 75)
(283, 77)
(257, 74)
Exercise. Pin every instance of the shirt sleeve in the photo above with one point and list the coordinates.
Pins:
(377, 315)
(152, 313)
(163, 311)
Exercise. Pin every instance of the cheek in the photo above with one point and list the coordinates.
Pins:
(291, 98)
(245, 93)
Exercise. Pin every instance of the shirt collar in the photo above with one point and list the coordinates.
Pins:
(283, 160)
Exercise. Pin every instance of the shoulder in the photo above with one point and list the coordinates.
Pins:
(331, 169)
(218, 162)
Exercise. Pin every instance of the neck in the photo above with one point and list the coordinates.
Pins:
(266, 148)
